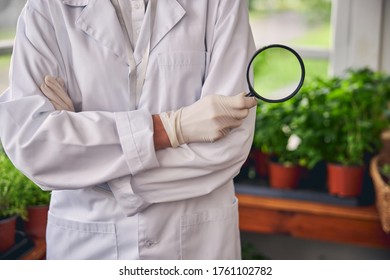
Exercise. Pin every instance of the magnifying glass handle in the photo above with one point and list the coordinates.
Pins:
(249, 94)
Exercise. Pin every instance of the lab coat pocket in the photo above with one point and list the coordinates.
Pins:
(69, 239)
(182, 75)
(211, 234)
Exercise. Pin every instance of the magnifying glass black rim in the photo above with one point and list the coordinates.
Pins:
(248, 73)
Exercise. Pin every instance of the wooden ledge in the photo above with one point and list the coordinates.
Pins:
(312, 220)
(299, 206)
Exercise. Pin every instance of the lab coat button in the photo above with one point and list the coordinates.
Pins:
(150, 243)
(136, 5)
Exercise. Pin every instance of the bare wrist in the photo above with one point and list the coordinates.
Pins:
(160, 137)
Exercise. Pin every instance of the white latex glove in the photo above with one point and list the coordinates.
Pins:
(54, 89)
(207, 120)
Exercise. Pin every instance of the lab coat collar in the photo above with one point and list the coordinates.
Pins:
(168, 14)
(99, 20)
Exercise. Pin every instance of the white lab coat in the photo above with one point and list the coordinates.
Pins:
(170, 204)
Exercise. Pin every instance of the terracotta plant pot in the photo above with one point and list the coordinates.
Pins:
(35, 226)
(7, 233)
(284, 176)
(261, 162)
(345, 181)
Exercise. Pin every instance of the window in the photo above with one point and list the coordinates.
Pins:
(362, 37)
(304, 25)
(9, 12)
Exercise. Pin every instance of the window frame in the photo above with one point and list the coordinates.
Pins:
(361, 36)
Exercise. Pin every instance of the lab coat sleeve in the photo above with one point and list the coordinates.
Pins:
(198, 169)
(59, 149)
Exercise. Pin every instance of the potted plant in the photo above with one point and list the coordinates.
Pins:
(37, 203)
(285, 169)
(270, 139)
(11, 204)
(285, 131)
(353, 121)
(265, 131)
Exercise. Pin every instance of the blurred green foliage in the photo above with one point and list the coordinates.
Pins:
(17, 192)
(314, 10)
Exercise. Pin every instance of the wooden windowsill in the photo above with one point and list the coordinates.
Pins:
(358, 225)
(36, 253)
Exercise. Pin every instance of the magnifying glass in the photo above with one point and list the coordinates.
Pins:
(278, 71)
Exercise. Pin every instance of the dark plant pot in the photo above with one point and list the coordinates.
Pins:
(284, 176)
(261, 162)
(345, 181)
(7, 233)
(35, 226)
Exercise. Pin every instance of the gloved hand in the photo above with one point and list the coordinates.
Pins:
(207, 120)
(54, 89)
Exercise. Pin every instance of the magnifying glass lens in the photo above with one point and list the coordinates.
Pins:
(277, 74)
